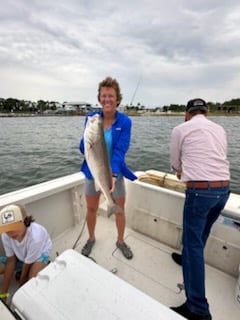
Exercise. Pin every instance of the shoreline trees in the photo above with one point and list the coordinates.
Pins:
(13, 105)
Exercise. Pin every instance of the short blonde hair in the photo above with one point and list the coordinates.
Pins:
(110, 83)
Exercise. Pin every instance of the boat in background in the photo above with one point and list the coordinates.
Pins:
(107, 285)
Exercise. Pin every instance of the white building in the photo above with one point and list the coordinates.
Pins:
(77, 106)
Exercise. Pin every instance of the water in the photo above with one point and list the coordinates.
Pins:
(37, 149)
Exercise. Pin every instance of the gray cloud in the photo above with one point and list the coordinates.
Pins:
(61, 50)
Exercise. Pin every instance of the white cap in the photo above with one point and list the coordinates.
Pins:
(11, 217)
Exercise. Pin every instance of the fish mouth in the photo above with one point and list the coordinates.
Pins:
(94, 119)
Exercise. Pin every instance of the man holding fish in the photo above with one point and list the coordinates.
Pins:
(105, 141)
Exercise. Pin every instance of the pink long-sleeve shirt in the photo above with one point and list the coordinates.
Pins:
(198, 150)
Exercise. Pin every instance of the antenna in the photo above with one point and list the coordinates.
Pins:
(134, 94)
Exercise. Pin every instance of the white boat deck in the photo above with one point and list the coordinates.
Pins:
(152, 269)
(59, 205)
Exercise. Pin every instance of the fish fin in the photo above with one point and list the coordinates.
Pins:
(115, 209)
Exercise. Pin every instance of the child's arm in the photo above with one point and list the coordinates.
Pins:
(25, 274)
(8, 273)
(2, 268)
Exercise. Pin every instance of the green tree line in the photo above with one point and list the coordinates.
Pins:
(24, 106)
(16, 105)
(227, 106)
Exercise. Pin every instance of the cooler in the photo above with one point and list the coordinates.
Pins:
(75, 287)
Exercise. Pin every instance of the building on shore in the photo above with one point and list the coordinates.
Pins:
(76, 106)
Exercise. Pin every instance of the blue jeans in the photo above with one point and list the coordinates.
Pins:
(202, 207)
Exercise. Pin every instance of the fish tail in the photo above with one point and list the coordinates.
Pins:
(115, 209)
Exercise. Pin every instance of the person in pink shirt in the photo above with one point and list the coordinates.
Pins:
(198, 154)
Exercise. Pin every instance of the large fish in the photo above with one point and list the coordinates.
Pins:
(95, 152)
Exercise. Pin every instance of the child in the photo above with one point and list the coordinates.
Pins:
(25, 242)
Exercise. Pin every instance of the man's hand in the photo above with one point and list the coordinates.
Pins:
(179, 174)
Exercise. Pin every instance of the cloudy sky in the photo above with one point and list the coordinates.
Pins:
(161, 52)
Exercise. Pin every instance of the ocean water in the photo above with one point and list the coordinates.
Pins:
(37, 149)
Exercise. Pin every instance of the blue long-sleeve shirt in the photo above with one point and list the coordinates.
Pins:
(121, 134)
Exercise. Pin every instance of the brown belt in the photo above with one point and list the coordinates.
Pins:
(207, 184)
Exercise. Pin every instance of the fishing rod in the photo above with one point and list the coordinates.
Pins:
(134, 94)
